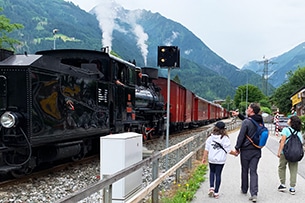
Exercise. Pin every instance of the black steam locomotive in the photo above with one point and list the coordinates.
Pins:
(56, 104)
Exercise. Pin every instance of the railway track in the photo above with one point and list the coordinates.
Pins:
(8, 181)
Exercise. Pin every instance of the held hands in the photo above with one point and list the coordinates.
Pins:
(234, 152)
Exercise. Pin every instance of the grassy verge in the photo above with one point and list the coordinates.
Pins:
(185, 192)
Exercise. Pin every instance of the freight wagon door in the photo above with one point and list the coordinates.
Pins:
(196, 109)
(189, 106)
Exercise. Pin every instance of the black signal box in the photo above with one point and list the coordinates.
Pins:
(169, 56)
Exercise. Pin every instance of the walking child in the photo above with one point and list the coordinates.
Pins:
(216, 148)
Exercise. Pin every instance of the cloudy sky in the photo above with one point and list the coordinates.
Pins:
(237, 30)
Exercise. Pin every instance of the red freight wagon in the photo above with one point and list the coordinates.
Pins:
(226, 113)
(189, 108)
(177, 102)
(213, 112)
(186, 108)
(219, 112)
(216, 112)
(201, 111)
(223, 113)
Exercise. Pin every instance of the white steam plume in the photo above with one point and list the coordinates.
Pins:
(142, 38)
(138, 31)
(106, 13)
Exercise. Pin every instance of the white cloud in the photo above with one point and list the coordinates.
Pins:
(169, 41)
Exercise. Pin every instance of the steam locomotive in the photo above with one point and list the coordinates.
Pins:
(55, 104)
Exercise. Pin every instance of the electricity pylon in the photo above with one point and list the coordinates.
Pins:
(265, 75)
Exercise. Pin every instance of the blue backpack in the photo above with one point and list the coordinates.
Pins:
(260, 138)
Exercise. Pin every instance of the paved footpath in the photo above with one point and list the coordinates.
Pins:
(268, 179)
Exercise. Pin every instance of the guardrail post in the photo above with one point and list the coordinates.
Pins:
(107, 194)
(155, 172)
(197, 143)
(189, 162)
(178, 169)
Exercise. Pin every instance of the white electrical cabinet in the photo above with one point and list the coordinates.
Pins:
(119, 151)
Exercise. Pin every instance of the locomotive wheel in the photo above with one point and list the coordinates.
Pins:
(17, 174)
(78, 157)
(21, 172)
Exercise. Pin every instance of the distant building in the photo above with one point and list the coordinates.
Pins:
(219, 101)
(298, 102)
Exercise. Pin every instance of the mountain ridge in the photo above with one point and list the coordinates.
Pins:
(198, 62)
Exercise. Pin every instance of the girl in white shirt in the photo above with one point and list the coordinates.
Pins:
(216, 148)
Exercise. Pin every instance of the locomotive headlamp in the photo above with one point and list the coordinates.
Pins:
(8, 119)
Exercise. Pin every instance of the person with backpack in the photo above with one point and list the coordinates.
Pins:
(249, 153)
(216, 148)
(295, 125)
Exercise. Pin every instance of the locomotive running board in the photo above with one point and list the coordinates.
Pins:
(6, 169)
(2, 149)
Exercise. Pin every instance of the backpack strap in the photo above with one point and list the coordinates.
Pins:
(249, 138)
(292, 133)
(255, 145)
(256, 123)
(220, 146)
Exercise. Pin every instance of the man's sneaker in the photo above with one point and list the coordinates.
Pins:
(282, 188)
(253, 198)
(292, 191)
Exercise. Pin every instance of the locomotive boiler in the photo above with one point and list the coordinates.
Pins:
(150, 103)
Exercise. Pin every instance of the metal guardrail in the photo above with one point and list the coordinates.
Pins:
(106, 183)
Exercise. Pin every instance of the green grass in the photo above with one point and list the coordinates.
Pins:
(186, 192)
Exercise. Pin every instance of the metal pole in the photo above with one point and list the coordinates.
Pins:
(167, 113)
(54, 35)
(247, 93)
(241, 99)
